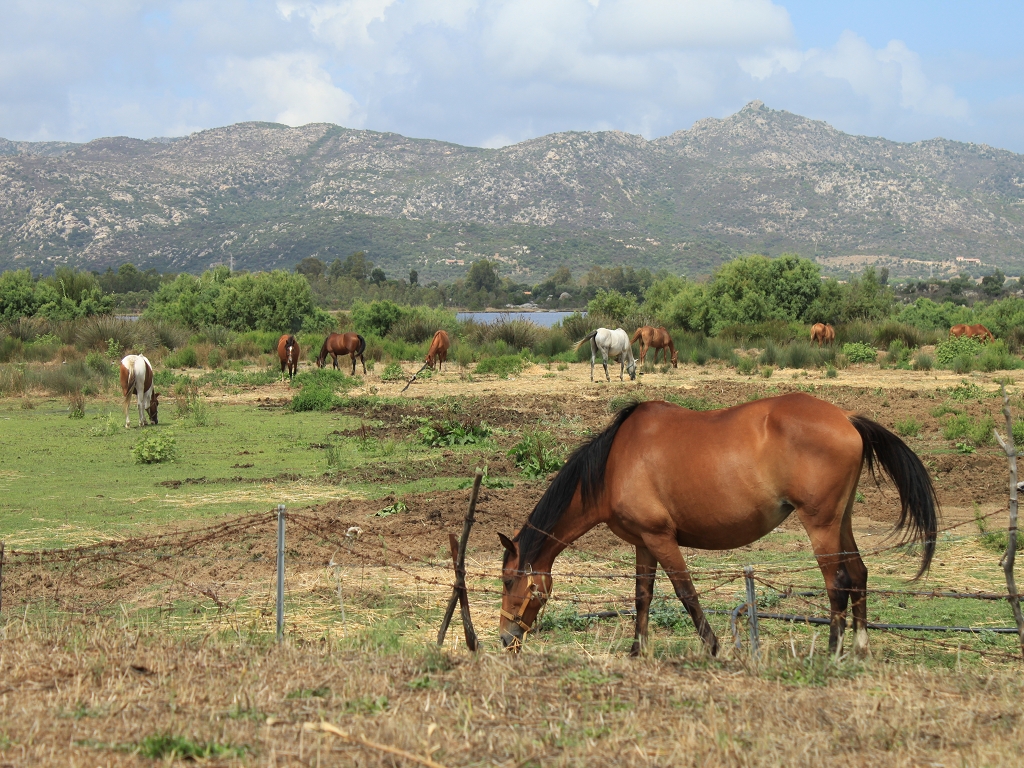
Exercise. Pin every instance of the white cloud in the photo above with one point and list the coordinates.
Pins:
(888, 78)
(289, 88)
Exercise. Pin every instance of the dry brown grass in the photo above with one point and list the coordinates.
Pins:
(87, 692)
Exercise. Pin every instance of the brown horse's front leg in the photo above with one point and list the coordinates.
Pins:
(646, 568)
(667, 553)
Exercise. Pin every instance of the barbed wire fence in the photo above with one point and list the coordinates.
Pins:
(76, 579)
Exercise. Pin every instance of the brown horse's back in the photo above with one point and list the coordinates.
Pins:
(722, 479)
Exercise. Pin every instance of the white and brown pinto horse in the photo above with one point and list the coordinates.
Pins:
(137, 377)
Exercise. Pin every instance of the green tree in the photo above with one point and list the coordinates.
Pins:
(482, 276)
(311, 267)
(992, 285)
(377, 317)
(613, 304)
(414, 277)
(377, 276)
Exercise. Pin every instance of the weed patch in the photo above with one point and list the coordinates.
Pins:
(536, 455)
(155, 448)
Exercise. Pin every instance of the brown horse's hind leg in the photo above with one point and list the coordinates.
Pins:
(646, 568)
(666, 551)
(845, 576)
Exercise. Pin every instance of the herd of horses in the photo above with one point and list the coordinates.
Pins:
(661, 477)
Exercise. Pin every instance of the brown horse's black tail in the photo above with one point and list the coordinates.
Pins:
(919, 507)
(362, 345)
(584, 469)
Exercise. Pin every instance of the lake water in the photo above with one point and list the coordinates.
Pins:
(546, 319)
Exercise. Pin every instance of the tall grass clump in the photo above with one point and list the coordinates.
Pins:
(855, 332)
(76, 405)
(797, 354)
(97, 333)
(770, 354)
(516, 333)
(891, 331)
(12, 379)
(923, 361)
(996, 357)
(62, 379)
(27, 329)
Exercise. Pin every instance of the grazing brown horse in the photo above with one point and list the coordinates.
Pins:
(137, 377)
(438, 351)
(661, 477)
(343, 344)
(822, 333)
(656, 339)
(288, 353)
(977, 331)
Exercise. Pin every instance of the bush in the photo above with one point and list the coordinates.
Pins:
(856, 352)
(980, 432)
(842, 362)
(957, 426)
(503, 366)
(909, 427)
(314, 398)
(957, 347)
(450, 432)
(996, 357)
(891, 331)
(183, 358)
(517, 334)
(155, 448)
(215, 358)
(796, 355)
(76, 405)
(770, 354)
(923, 362)
(377, 317)
(745, 365)
(392, 372)
(106, 332)
(536, 454)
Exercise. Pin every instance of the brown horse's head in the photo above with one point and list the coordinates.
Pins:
(523, 596)
(429, 361)
(675, 359)
(154, 402)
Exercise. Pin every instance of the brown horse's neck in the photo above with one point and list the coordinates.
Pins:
(573, 524)
(671, 347)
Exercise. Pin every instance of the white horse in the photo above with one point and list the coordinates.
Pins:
(137, 377)
(612, 344)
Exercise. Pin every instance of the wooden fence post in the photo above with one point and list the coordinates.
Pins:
(1011, 539)
(459, 593)
(280, 572)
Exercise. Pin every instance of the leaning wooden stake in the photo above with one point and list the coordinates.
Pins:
(459, 561)
(334, 730)
(1011, 540)
(408, 383)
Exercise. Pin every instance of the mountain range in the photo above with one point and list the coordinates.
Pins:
(265, 196)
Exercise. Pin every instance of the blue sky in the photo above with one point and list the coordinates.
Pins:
(493, 72)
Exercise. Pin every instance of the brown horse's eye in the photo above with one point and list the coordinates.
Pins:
(508, 584)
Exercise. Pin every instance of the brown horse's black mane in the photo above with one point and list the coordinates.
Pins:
(584, 469)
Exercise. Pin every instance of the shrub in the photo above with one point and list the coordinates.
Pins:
(324, 377)
(857, 352)
(517, 334)
(106, 332)
(1018, 432)
(745, 365)
(908, 427)
(957, 426)
(767, 372)
(795, 355)
(76, 405)
(503, 366)
(536, 455)
(183, 358)
(842, 362)
(155, 448)
(956, 347)
(962, 364)
(996, 357)
(891, 331)
(830, 372)
(99, 363)
(12, 380)
(699, 356)
(450, 432)
(215, 358)
(898, 353)
(392, 372)
(981, 432)
(413, 329)
(314, 398)
(770, 354)
(923, 361)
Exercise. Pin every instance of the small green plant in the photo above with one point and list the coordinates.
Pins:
(1018, 432)
(111, 425)
(830, 372)
(76, 405)
(397, 508)
(563, 366)
(98, 363)
(981, 432)
(183, 358)
(859, 497)
(966, 390)
(908, 427)
(842, 362)
(858, 352)
(535, 454)
(746, 365)
(314, 398)
(215, 358)
(448, 433)
(367, 705)
(155, 448)
(166, 746)
(392, 372)
(956, 427)
(965, 448)
(113, 349)
(767, 371)
(994, 540)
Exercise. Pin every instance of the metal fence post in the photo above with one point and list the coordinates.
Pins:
(748, 573)
(280, 572)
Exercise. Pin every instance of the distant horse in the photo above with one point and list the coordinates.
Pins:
(656, 339)
(663, 477)
(614, 344)
(976, 331)
(343, 344)
(438, 351)
(822, 333)
(288, 353)
(137, 377)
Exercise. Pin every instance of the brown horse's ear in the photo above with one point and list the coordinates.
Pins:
(508, 544)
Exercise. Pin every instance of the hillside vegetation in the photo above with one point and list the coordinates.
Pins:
(268, 196)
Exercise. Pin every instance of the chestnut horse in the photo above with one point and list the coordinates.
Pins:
(978, 331)
(343, 344)
(661, 477)
(288, 353)
(137, 377)
(656, 339)
(438, 350)
(822, 333)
